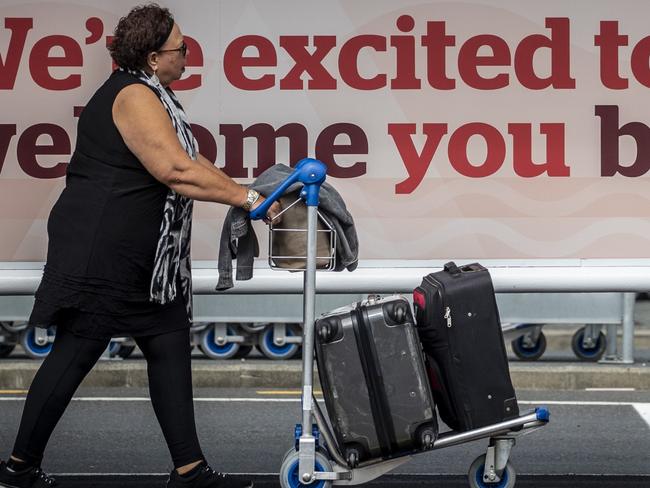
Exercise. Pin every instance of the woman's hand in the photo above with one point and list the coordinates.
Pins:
(273, 211)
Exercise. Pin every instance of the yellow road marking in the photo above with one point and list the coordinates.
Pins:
(284, 392)
(12, 392)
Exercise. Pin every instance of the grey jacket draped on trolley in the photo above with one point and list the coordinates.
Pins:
(238, 240)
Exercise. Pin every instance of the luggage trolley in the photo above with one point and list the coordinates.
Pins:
(312, 463)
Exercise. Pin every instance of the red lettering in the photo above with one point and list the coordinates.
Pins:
(609, 41)
(560, 48)
(640, 57)
(405, 78)
(496, 150)
(436, 43)
(9, 67)
(40, 62)
(349, 58)
(610, 134)
(296, 47)
(7, 132)
(326, 148)
(469, 60)
(28, 149)
(234, 62)
(416, 164)
(523, 154)
(266, 137)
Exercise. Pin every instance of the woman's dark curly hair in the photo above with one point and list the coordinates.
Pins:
(144, 29)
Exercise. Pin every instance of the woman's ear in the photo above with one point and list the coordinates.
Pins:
(152, 61)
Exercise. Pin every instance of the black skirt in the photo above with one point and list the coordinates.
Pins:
(94, 314)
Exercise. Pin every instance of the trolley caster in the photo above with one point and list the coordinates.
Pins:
(290, 476)
(527, 349)
(36, 345)
(215, 350)
(272, 350)
(478, 478)
(589, 343)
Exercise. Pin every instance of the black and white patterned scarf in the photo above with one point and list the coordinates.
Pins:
(173, 250)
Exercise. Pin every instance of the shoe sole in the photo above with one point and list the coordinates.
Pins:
(4, 485)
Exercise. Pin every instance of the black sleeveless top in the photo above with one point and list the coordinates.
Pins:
(103, 232)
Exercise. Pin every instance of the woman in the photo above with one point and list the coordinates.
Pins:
(119, 256)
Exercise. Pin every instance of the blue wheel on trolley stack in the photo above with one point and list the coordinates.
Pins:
(35, 348)
(527, 350)
(290, 475)
(269, 348)
(214, 350)
(592, 351)
(477, 471)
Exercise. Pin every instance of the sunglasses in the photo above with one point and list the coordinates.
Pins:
(182, 49)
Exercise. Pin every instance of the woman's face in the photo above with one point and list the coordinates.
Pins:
(171, 57)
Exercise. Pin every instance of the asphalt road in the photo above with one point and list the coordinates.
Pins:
(595, 439)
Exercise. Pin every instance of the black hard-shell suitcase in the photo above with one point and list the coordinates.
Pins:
(375, 385)
(459, 326)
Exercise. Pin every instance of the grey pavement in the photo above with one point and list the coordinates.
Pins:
(595, 439)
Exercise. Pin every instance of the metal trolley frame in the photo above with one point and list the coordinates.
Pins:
(312, 463)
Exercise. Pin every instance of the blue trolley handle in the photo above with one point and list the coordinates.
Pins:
(310, 172)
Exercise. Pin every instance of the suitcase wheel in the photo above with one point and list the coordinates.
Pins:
(328, 330)
(397, 312)
(427, 437)
(353, 455)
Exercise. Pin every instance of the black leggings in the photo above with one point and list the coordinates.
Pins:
(72, 357)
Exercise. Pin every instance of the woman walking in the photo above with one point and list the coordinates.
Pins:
(118, 258)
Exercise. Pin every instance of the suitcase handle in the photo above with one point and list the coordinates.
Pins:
(452, 269)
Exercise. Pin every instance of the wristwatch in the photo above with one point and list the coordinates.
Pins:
(251, 197)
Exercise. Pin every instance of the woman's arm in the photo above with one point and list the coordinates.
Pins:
(148, 132)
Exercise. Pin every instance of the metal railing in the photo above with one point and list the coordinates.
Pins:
(401, 276)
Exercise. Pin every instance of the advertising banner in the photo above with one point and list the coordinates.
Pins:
(485, 129)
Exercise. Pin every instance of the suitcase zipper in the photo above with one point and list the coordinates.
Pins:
(448, 316)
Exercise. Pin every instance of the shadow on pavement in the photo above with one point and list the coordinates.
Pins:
(388, 481)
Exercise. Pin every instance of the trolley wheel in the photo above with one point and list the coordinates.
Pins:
(28, 341)
(588, 354)
(290, 476)
(271, 350)
(526, 352)
(476, 470)
(6, 349)
(214, 350)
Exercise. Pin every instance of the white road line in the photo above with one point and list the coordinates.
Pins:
(643, 409)
(610, 389)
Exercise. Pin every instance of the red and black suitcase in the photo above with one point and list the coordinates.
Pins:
(460, 330)
(374, 382)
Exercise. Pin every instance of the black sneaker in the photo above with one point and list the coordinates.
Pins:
(27, 478)
(206, 477)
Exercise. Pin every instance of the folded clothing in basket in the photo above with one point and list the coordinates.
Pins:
(238, 240)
